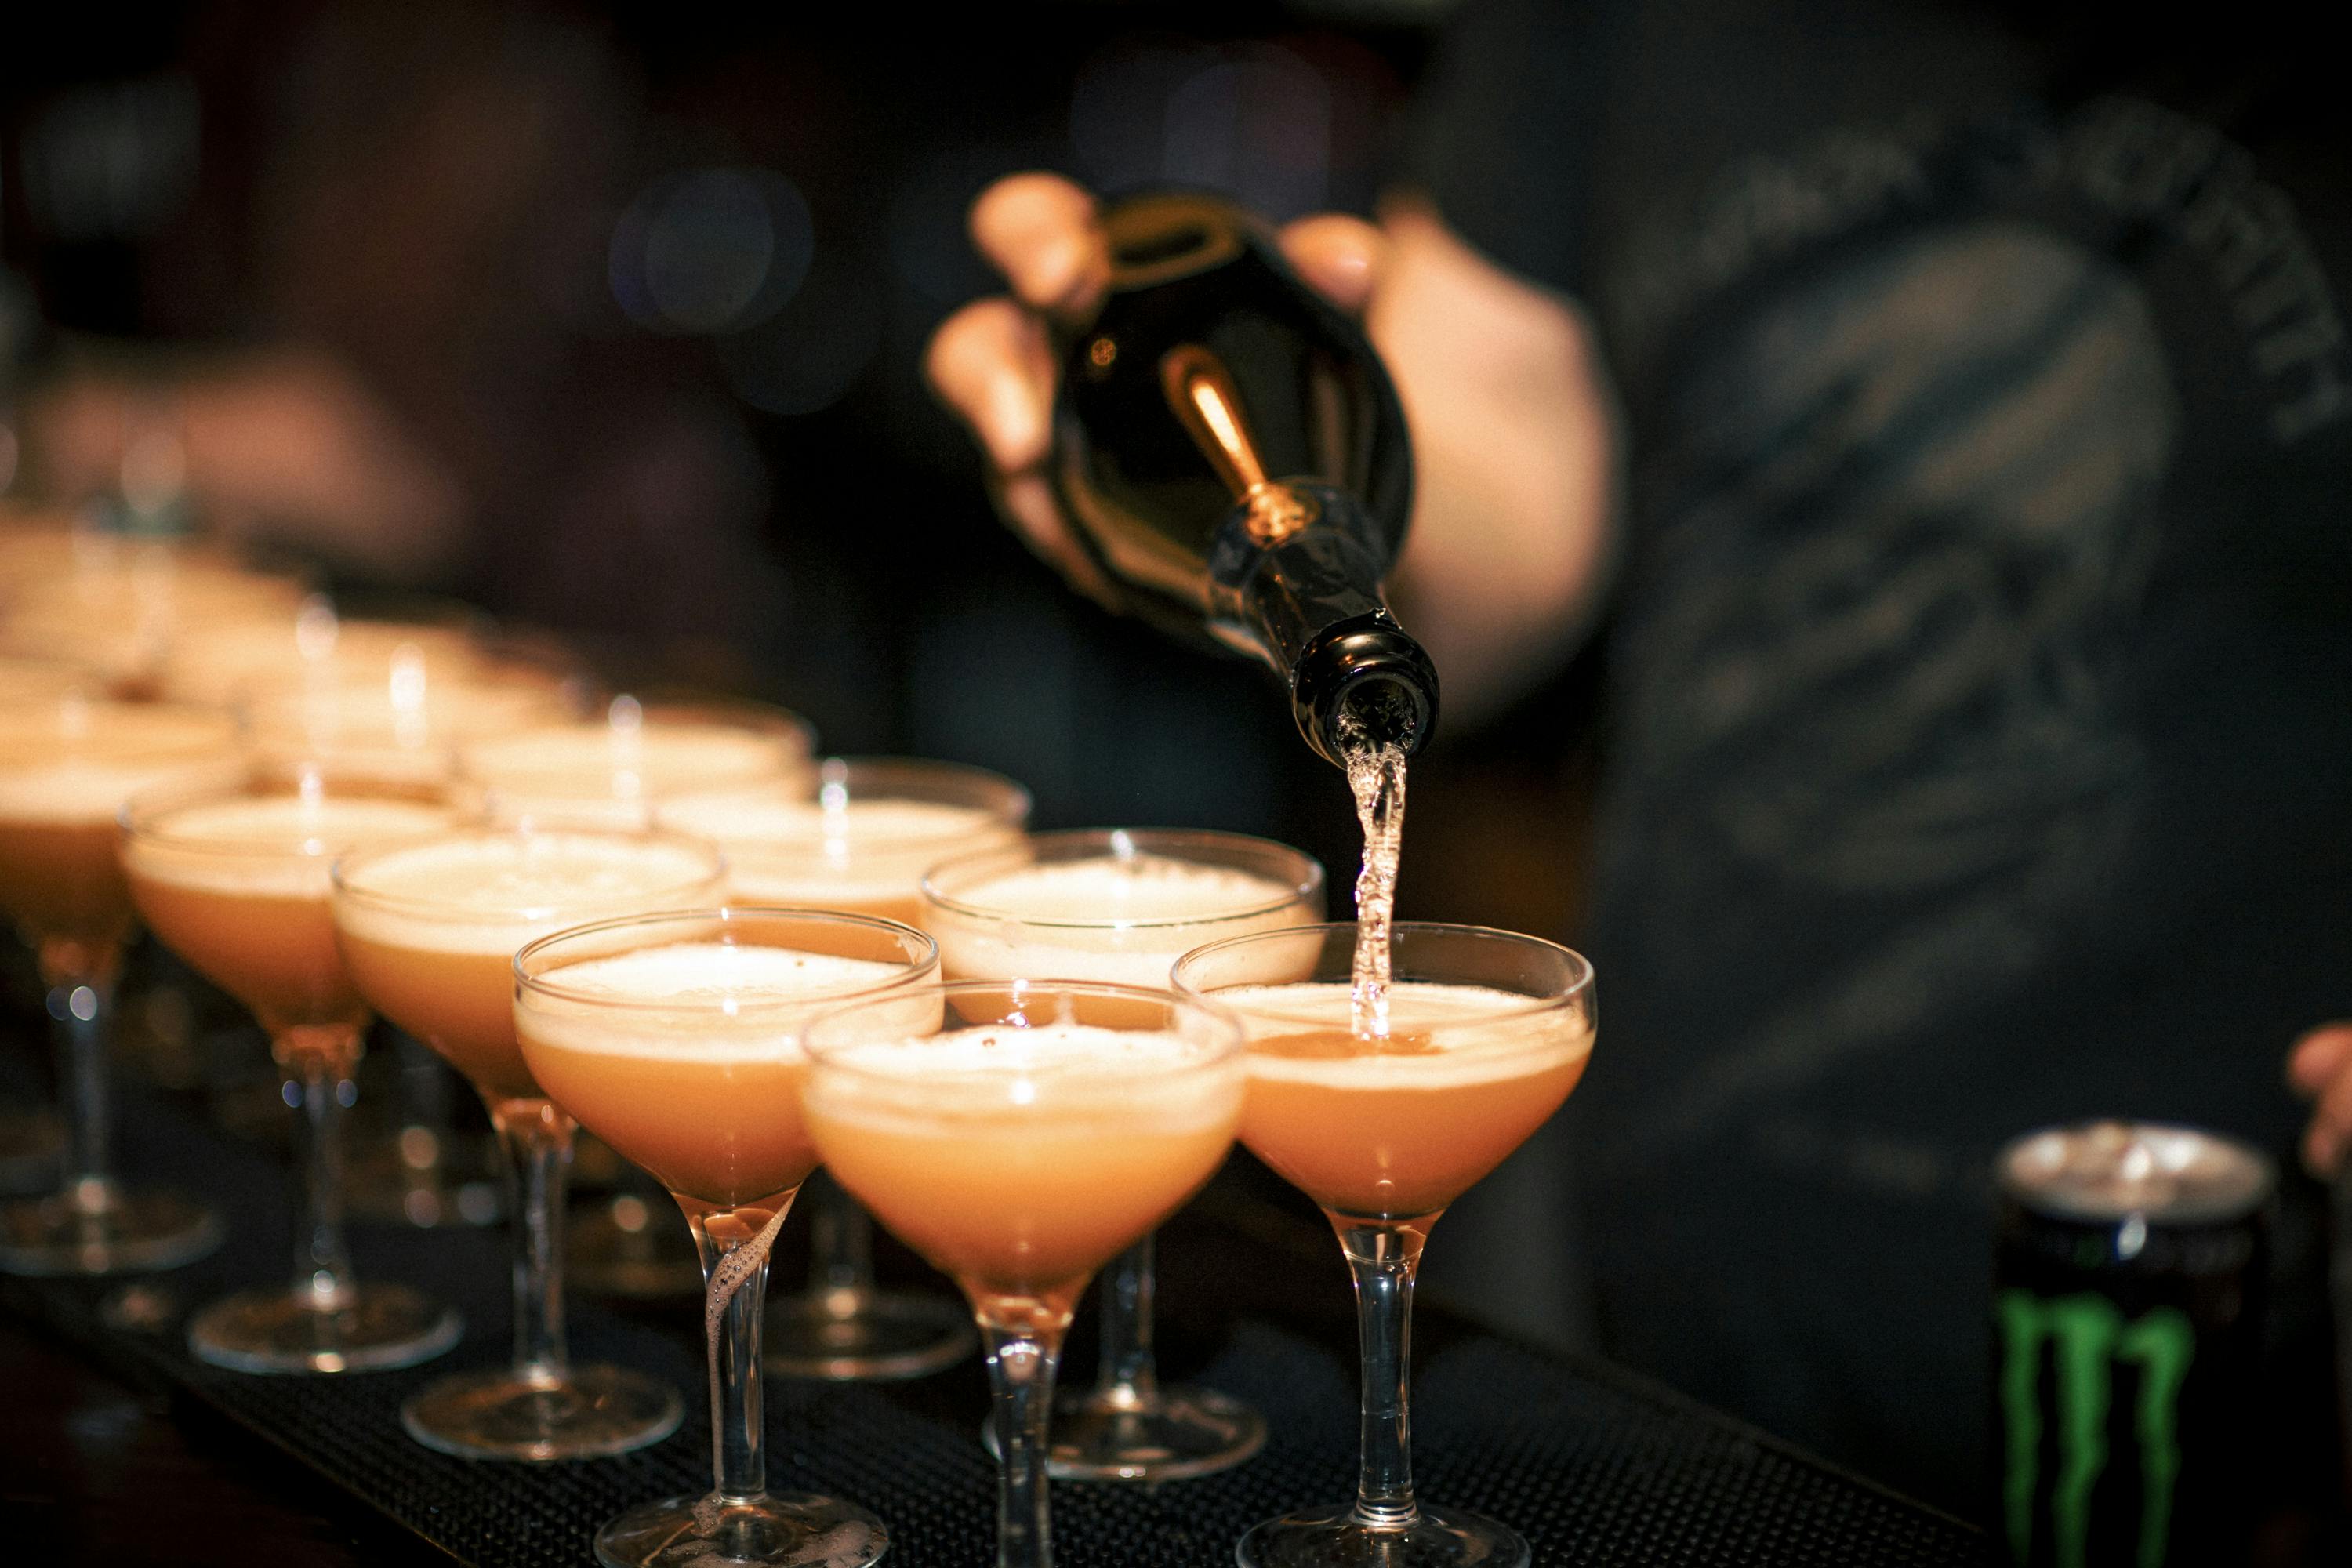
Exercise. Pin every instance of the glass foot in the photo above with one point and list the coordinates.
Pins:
(630, 1248)
(1332, 1538)
(30, 1144)
(779, 1528)
(381, 1327)
(104, 1229)
(856, 1336)
(1109, 1435)
(590, 1411)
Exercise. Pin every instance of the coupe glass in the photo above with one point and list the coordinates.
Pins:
(430, 929)
(1487, 1034)
(65, 767)
(1019, 1135)
(233, 878)
(400, 724)
(1121, 905)
(860, 844)
(672, 1038)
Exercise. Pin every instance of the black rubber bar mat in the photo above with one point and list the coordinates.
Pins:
(1592, 1466)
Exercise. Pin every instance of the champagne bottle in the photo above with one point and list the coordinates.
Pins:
(1236, 464)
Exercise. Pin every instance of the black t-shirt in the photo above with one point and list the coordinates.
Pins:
(1979, 748)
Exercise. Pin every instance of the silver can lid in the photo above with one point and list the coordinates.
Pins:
(2112, 1169)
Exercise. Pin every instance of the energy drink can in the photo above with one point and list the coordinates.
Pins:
(2128, 1281)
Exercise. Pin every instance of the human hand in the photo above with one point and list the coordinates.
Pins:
(2320, 1069)
(285, 445)
(992, 362)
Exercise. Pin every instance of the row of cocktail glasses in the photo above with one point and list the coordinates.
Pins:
(1018, 1133)
(1017, 1128)
(190, 636)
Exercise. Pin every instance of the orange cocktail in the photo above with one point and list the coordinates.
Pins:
(1400, 1126)
(1018, 1149)
(235, 883)
(681, 1055)
(674, 1038)
(234, 878)
(860, 844)
(430, 929)
(1486, 1033)
(1122, 906)
(67, 765)
(1021, 1186)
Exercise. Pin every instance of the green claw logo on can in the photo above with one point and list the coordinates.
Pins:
(2129, 1276)
(2088, 1337)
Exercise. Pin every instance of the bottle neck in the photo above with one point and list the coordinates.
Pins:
(1309, 603)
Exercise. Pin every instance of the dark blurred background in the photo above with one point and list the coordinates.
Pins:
(651, 285)
(645, 289)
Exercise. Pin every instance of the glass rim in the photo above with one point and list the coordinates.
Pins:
(1011, 811)
(747, 714)
(439, 911)
(1579, 985)
(1228, 1021)
(138, 815)
(1309, 886)
(724, 914)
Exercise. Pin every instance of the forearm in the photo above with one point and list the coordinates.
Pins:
(1514, 447)
(282, 444)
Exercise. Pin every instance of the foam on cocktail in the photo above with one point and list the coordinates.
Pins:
(732, 1002)
(860, 854)
(1079, 1071)
(603, 772)
(1440, 1037)
(1125, 919)
(862, 824)
(1153, 887)
(1074, 1054)
(270, 846)
(494, 892)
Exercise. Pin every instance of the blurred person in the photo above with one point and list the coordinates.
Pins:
(1949, 411)
(396, 347)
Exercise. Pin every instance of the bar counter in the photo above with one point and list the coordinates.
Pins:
(115, 1446)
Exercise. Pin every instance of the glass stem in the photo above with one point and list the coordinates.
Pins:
(83, 1009)
(1129, 1377)
(1384, 1258)
(538, 1142)
(318, 1064)
(734, 1245)
(841, 1248)
(1021, 1365)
